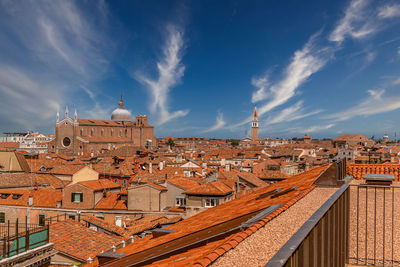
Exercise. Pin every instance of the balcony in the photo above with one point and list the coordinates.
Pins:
(25, 244)
(357, 226)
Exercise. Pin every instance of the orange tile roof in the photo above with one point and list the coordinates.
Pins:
(41, 197)
(359, 170)
(212, 188)
(107, 226)
(100, 184)
(74, 239)
(245, 206)
(112, 201)
(253, 179)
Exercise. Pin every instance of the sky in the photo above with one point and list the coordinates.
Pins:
(198, 68)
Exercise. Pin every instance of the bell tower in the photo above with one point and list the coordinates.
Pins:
(254, 125)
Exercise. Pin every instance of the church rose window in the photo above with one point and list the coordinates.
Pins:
(66, 141)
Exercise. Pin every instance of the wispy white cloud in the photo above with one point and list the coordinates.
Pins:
(170, 72)
(219, 124)
(97, 111)
(25, 100)
(304, 63)
(53, 47)
(354, 23)
(311, 129)
(389, 11)
(376, 102)
(262, 84)
(318, 128)
(396, 82)
(292, 113)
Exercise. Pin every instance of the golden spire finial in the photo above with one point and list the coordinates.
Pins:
(121, 102)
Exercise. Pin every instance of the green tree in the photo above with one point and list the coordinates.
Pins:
(234, 142)
(170, 143)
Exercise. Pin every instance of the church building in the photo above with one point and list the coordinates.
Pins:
(77, 136)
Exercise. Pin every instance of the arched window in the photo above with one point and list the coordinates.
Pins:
(120, 133)
(102, 132)
(91, 132)
(126, 132)
(81, 131)
(112, 132)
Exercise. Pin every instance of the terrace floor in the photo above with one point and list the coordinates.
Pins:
(258, 248)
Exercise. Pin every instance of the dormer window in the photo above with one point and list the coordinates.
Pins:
(5, 195)
(16, 196)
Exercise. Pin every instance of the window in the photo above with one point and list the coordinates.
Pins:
(71, 217)
(91, 132)
(2, 217)
(126, 132)
(77, 197)
(66, 141)
(180, 201)
(41, 220)
(112, 132)
(5, 195)
(102, 132)
(81, 131)
(211, 202)
(124, 183)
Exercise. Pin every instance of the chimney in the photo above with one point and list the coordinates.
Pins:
(227, 167)
(161, 165)
(30, 201)
(150, 167)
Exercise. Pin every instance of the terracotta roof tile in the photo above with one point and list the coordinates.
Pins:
(244, 206)
(78, 241)
(212, 188)
(100, 184)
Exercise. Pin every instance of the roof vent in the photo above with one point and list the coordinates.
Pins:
(267, 194)
(260, 216)
(161, 231)
(285, 191)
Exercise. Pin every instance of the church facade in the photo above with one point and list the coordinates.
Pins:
(79, 136)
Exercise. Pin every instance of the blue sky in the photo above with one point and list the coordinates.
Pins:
(197, 68)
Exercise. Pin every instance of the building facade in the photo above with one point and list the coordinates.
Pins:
(78, 136)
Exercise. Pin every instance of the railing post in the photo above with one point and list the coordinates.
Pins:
(8, 238)
(48, 234)
(4, 247)
(17, 234)
(26, 237)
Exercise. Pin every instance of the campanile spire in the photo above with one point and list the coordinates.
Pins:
(254, 125)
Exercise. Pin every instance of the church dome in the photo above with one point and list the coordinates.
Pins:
(121, 114)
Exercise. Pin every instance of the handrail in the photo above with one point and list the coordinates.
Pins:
(286, 251)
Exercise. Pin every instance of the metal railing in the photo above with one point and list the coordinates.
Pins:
(18, 237)
(374, 227)
(357, 225)
(322, 240)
